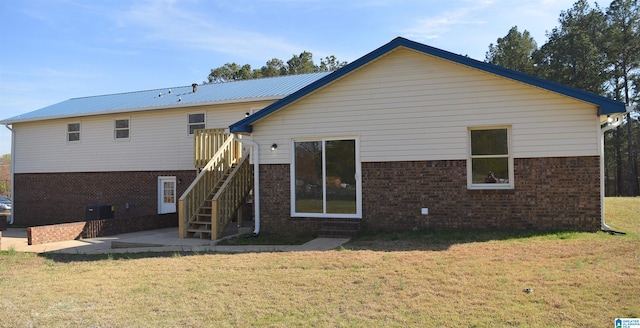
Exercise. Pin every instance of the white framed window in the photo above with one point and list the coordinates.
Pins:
(325, 178)
(121, 129)
(73, 132)
(195, 121)
(490, 161)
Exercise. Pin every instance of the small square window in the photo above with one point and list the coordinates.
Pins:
(195, 122)
(121, 129)
(490, 162)
(73, 132)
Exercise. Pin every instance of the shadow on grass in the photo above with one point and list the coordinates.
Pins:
(69, 258)
(429, 240)
(421, 240)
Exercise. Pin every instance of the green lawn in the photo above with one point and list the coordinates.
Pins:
(417, 279)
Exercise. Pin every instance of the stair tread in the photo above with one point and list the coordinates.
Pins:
(199, 230)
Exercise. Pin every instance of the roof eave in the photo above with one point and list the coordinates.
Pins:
(143, 109)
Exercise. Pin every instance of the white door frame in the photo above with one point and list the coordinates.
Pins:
(163, 206)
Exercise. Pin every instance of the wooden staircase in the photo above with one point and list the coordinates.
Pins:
(201, 225)
(216, 195)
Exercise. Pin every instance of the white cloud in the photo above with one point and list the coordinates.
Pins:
(168, 21)
(435, 27)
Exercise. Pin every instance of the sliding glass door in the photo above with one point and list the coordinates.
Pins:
(325, 181)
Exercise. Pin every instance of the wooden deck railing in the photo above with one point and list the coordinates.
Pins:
(206, 143)
(230, 197)
(204, 184)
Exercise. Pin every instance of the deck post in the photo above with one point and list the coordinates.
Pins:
(182, 226)
(214, 219)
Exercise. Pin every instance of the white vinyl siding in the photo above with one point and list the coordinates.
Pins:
(160, 142)
(409, 106)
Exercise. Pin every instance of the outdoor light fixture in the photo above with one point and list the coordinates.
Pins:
(609, 119)
(274, 147)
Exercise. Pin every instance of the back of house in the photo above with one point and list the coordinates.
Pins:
(406, 137)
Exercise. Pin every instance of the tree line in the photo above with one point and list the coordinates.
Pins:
(298, 64)
(596, 50)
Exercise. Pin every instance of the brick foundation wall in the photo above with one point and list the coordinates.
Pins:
(549, 194)
(51, 198)
(97, 228)
(275, 204)
(3, 222)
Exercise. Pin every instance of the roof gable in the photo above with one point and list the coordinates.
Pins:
(605, 105)
(227, 92)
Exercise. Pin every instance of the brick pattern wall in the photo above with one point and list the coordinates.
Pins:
(97, 228)
(275, 204)
(549, 194)
(3, 222)
(50, 198)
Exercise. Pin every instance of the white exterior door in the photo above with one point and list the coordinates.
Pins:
(166, 195)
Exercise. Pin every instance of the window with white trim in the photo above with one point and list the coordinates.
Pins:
(121, 129)
(195, 122)
(490, 164)
(73, 132)
(325, 179)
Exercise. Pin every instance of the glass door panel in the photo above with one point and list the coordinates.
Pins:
(340, 175)
(308, 177)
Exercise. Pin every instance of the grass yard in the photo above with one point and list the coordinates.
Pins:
(418, 279)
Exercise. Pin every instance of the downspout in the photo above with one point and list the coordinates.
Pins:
(256, 182)
(13, 161)
(612, 123)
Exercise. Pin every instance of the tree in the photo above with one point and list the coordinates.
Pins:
(301, 64)
(330, 63)
(274, 67)
(5, 174)
(573, 54)
(623, 57)
(230, 72)
(514, 51)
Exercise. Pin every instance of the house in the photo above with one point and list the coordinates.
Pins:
(133, 152)
(411, 136)
(406, 137)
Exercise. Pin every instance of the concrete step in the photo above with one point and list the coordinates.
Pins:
(339, 228)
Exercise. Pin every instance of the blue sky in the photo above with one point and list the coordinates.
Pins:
(53, 50)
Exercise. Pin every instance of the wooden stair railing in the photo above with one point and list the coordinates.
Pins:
(205, 185)
(206, 144)
(228, 200)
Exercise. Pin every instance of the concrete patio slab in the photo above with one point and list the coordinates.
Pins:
(160, 240)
